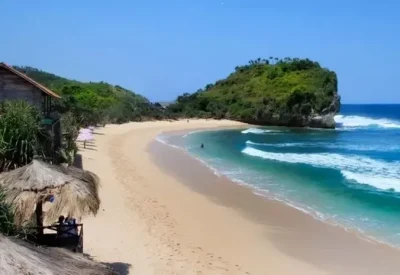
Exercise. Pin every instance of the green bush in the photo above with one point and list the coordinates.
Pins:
(96, 103)
(70, 132)
(21, 135)
(7, 226)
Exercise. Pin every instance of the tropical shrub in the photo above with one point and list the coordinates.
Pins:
(96, 103)
(70, 132)
(21, 135)
(7, 226)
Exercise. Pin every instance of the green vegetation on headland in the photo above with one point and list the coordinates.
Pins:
(82, 104)
(95, 103)
(286, 92)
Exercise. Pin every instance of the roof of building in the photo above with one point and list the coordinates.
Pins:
(30, 80)
(165, 104)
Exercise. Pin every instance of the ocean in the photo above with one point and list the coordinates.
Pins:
(349, 176)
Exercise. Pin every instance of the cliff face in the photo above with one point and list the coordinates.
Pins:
(290, 92)
(323, 119)
(327, 117)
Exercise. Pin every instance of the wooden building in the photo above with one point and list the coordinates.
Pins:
(15, 85)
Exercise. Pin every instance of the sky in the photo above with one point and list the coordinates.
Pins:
(163, 48)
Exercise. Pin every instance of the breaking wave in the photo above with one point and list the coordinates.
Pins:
(379, 182)
(360, 121)
(380, 174)
(353, 147)
(258, 131)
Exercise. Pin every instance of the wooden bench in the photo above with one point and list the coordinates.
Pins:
(64, 236)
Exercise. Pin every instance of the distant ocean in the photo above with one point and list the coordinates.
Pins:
(349, 176)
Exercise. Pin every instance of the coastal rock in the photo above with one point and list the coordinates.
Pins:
(323, 121)
(326, 121)
(334, 107)
(327, 117)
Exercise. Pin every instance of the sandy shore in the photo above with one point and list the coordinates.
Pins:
(164, 213)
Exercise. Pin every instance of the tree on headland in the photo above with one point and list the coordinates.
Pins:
(95, 103)
(264, 91)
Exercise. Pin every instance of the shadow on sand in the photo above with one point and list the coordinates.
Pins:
(115, 268)
(89, 148)
(78, 161)
(119, 268)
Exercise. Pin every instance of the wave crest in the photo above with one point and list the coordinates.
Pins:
(379, 182)
(373, 171)
(258, 131)
(360, 121)
(353, 147)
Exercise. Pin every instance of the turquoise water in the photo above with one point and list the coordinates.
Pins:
(349, 176)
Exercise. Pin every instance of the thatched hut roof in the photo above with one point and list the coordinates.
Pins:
(75, 191)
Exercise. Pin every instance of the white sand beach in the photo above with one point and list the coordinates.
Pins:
(151, 222)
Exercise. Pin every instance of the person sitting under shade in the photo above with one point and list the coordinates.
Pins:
(66, 227)
(72, 227)
(62, 227)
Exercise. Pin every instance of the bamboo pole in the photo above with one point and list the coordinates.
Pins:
(39, 217)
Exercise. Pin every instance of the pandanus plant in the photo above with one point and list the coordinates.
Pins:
(21, 135)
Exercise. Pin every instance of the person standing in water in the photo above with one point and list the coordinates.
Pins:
(202, 146)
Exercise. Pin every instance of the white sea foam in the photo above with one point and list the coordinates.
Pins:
(364, 147)
(190, 133)
(255, 143)
(360, 121)
(294, 144)
(358, 165)
(258, 131)
(353, 147)
(379, 182)
(163, 139)
(205, 163)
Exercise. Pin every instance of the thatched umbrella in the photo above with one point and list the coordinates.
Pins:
(73, 191)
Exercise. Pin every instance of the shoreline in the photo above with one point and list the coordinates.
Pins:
(303, 226)
(256, 192)
(153, 221)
